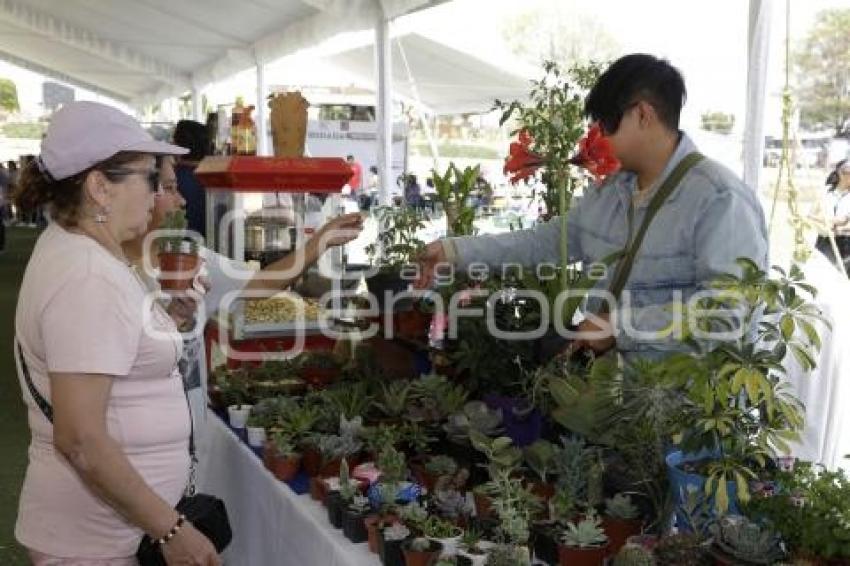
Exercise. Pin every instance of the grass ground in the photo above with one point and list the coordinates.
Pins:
(14, 432)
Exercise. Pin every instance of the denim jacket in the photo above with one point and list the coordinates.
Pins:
(709, 221)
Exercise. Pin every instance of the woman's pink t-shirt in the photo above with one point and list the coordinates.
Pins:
(81, 310)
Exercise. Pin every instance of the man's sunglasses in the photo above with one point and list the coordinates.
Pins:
(610, 124)
(152, 176)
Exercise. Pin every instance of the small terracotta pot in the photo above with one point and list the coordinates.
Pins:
(619, 531)
(319, 377)
(184, 267)
(318, 489)
(312, 460)
(569, 556)
(285, 469)
(483, 505)
(427, 558)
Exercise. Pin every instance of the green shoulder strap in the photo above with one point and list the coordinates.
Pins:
(624, 269)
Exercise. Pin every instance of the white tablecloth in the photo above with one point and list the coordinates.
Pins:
(826, 392)
(272, 526)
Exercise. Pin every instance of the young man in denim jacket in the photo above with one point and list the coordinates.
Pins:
(706, 223)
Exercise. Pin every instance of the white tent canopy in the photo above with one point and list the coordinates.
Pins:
(442, 79)
(140, 51)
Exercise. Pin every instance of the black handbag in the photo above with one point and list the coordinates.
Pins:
(207, 513)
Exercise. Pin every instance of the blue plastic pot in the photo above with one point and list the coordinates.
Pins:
(681, 482)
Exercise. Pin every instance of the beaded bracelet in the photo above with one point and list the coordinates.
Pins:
(170, 534)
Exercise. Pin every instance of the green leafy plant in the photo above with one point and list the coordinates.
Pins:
(397, 243)
(454, 188)
(811, 513)
(508, 555)
(554, 118)
(393, 398)
(736, 404)
(540, 457)
(283, 445)
(502, 455)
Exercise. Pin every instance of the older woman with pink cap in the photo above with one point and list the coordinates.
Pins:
(108, 460)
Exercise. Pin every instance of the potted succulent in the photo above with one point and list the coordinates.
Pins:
(353, 516)
(508, 555)
(337, 500)
(583, 543)
(393, 538)
(621, 520)
(421, 551)
(503, 459)
(284, 460)
(634, 555)
(452, 505)
(739, 541)
(475, 416)
(235, 394)
(393, 469)
(682, 549)
(471, 552)
(258, 422)
(392, 400)
(376, 438)
(434, 468)
(178, 255)
(444, 532)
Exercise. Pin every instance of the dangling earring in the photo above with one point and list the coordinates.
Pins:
(101, 217)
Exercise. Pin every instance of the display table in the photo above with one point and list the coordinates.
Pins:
(271, 524)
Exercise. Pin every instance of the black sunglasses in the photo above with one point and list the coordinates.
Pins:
(152, 176)
(610, 124)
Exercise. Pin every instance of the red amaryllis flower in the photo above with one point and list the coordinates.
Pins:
(522, 162)
(595, 154)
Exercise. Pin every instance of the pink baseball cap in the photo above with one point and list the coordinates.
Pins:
(83, 134)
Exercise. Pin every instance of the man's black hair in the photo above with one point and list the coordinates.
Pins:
(633, 78)
(193, 136)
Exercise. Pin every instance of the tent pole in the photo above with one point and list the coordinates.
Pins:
(384, 110)
(262, 111)
(758, 53)
(423, 118)
(197, 111)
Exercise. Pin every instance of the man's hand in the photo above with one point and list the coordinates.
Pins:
(431, 256)
(340, 230)
(604, 339)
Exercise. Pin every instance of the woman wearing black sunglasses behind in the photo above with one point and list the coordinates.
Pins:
(837, 211)
(109, 459)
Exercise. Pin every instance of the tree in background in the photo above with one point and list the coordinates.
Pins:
(559, 31)
(8, 96)
(823, 73)
(719, 122)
